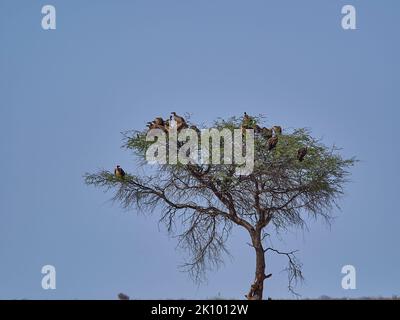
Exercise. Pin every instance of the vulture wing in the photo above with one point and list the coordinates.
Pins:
(122, 172)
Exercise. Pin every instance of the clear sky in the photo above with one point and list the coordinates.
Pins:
(66, 94)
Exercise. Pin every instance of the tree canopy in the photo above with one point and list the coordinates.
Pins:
(200, 203)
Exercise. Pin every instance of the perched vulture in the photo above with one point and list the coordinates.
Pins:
(277, 130)
(301, 153)
(267, 133)
(272, 142)
(119, 172)
(177, 118)
(257, 129)
(154, 125)
(159, 121)
(248, 122)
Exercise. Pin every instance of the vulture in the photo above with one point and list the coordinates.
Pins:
(159, 121)
(247, 122)
(267, 133)
(154, 125)
(301, 153)
(272, 142)
(277, 130)
(177, 118)
(119, 172)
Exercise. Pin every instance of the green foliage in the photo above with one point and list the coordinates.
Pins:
(319, 165)
(323, 171)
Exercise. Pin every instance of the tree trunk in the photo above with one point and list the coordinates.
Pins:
(257, 288)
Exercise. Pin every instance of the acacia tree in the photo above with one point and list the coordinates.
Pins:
(201, 203)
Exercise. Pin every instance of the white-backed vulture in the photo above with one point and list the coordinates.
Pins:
(177, 118)
(159, 121)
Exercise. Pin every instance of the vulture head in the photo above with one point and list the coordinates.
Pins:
(277, 129)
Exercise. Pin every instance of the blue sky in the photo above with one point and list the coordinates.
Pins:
(66, 94)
